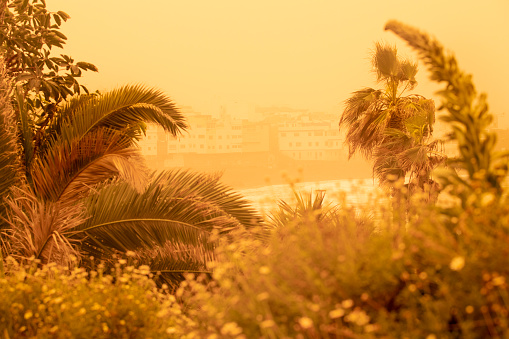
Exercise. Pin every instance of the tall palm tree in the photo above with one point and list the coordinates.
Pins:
(392, 129)
(84, 188)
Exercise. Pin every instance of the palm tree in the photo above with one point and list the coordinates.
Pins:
(85, 191)
(392, 129)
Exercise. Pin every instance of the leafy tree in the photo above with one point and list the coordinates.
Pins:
(468, 116)
(28, 35)
(392, 129)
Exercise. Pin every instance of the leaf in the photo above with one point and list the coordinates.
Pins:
(63, 15)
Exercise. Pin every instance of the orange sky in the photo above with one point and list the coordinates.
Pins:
(297, 53)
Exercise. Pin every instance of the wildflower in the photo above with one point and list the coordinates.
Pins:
(57, 300)
(337, 313)
(162, 313)
(231, 328)
(305, 322)
(130, 253)
(28, 314)
(347, 303)
(358, 317)
(487, 199)
(500, 280)
(267, 323)
(171, 330)
(457, 263)
(469, 309)
(264, 270)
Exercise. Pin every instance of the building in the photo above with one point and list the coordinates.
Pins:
(310, 140)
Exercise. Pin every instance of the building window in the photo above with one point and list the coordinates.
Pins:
(296, 134)
(310, 143)
(283, 134)
(291, 144)
(316, 143)
(298, 144)
(318, 133)
(149, 148)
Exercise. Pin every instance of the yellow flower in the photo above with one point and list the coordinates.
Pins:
(264, 270)
(306, 322)
(231, 328)
(337, 313)
(457, 263)
(267, 323)
(347, 303)
(28, 314)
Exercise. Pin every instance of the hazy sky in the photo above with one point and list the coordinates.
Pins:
(303, 54)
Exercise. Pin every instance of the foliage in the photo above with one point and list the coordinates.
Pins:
(322, 279)
(28, 35)
(55, 302)
(8, 145)
(468, 116)
(306, 206)
(444, 277)
(84, 189)
(392, 129)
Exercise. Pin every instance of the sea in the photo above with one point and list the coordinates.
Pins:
(352, 192)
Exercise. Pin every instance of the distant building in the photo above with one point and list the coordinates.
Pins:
(304, 137)
(308, 140)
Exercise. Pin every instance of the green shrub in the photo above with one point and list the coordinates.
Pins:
(52, 302)
(435, 277)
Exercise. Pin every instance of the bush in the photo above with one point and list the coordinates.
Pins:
(420, 275)
(53, 302)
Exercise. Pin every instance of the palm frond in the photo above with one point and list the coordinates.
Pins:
(407, 72)
(177, 206)
(122, 109)
(171, 262)
(305, 207)
(385, 61)
(69, 168)
(37, 228)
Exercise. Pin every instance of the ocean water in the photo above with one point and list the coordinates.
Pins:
(353, 192)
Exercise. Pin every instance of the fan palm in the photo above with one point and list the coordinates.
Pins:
(85, 190)
(388, 127)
